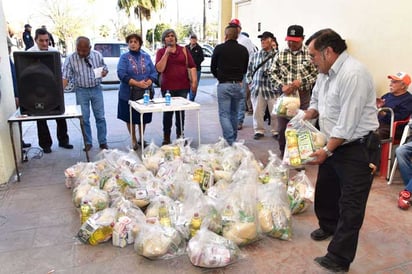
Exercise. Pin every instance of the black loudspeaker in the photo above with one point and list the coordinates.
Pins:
(39, 82)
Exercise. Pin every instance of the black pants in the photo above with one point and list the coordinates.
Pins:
(342, 189)
(282, 123)
(45, 140)
(180, 115)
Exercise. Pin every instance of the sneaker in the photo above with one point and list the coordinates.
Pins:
(404, 200)
(258, 136)
(47, 150)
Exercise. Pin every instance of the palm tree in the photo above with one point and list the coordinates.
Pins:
(142, 8)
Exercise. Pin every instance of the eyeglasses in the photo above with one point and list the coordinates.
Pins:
(86, 60)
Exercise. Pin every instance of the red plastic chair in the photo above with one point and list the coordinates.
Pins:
(387, 144)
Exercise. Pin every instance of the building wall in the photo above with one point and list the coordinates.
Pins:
(377, 32)
(7, 105)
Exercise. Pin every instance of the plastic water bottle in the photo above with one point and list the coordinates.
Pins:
(168, 98)
(146, 98)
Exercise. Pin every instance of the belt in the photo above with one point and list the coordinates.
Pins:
(87, 87)
(359, 141)
(230, 82)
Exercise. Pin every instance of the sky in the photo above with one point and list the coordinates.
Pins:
(20, 12)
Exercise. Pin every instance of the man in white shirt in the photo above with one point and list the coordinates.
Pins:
(41, 40)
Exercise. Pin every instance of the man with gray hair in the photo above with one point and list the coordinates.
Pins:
(80, 66)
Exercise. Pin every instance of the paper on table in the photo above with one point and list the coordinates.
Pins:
(98, 72)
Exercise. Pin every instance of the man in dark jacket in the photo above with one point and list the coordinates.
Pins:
(197, 54)
(229, 65)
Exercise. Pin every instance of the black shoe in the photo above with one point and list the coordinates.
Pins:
(320, 235)
(87, 147)
(104, 146)
(330, 265)
(258, 136)
(25, 145)
(47, 150)
(240, 126)
(66, 146)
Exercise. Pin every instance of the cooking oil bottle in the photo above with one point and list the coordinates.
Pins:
(292, 146)
(85, 212)
(164, 217)
(195, 224)
(101, 234)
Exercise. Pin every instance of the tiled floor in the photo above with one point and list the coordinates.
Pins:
(38, 222)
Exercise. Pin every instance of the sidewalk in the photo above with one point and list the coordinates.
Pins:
(38, 222)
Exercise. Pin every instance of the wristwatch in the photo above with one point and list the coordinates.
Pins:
(327, 151)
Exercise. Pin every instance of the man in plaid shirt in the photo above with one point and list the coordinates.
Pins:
(262, 88)
(293, 71)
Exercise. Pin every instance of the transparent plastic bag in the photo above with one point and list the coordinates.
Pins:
(302, 139)
(273, 211)
(207, 249)
(301, 192)
(287, 105)
(157, 242)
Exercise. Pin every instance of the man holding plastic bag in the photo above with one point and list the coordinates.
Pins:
(294, 74)
(343, 100)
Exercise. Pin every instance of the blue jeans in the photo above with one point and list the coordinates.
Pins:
(228, 97)
(242, 102)
(404, 154)
(94, 97)
(192, 95)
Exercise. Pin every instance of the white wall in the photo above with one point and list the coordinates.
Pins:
(7, 105)
(377, 32)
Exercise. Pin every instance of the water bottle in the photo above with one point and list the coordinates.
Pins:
(146, 97)
(168, 98)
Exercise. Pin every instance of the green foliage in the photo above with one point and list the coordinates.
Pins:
(128, 29)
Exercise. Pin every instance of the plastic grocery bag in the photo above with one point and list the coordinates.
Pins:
(287, 105)
(207, 249)
(300, 192)
(158, 242)
(275, 170)
(238, 211)
(273, 211)
(302, 139)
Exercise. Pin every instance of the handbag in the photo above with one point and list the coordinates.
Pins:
(137, 93)
(189, 74)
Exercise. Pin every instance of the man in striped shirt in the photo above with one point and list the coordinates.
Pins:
(292, 72)
(262, 88)
(86, 67)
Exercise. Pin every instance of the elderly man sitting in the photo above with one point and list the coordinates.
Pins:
(399, 100)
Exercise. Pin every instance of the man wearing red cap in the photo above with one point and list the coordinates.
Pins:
(292, 72)
(399, 100)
